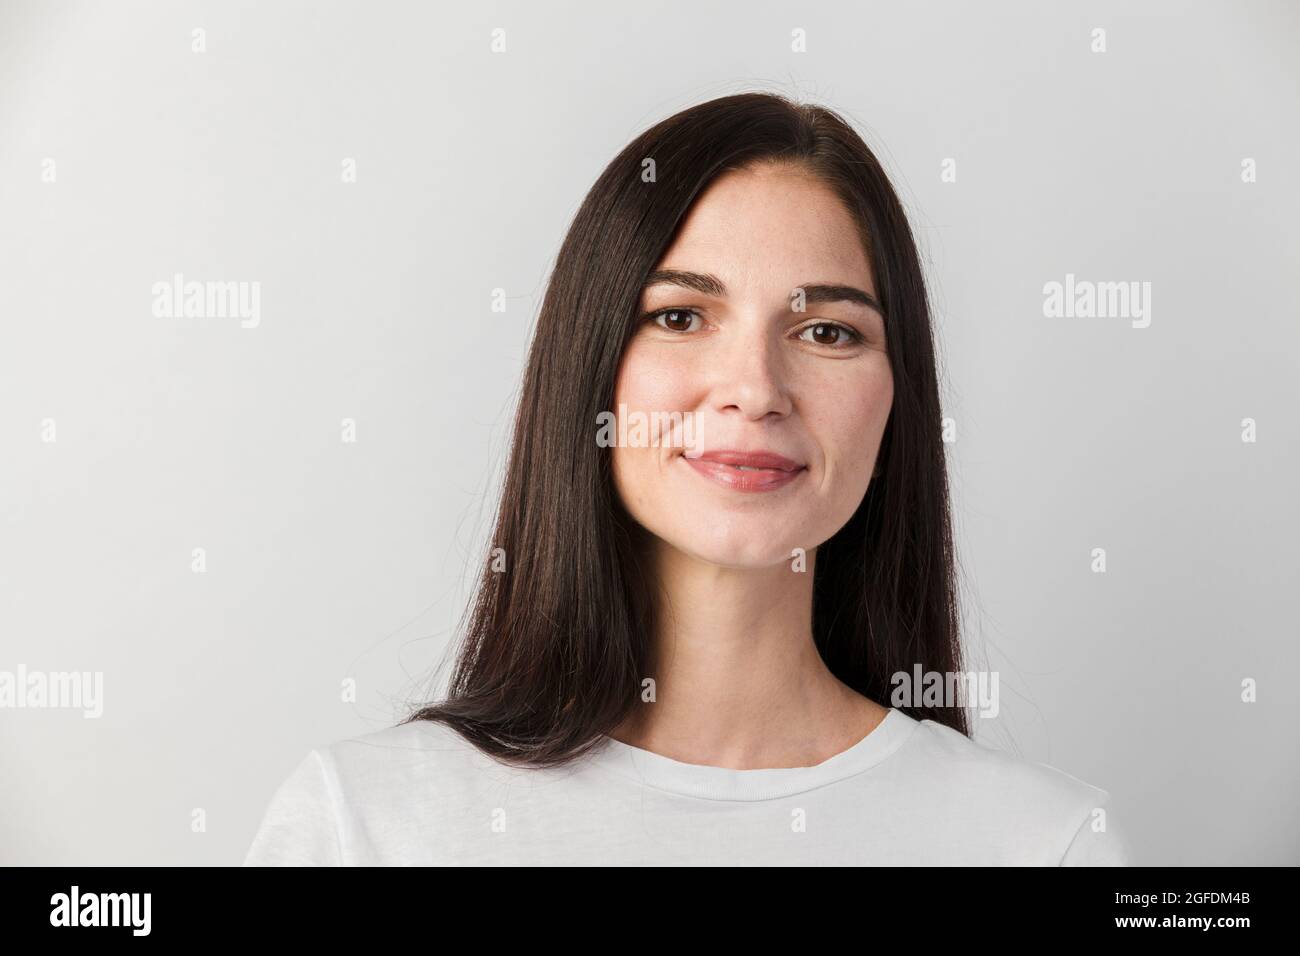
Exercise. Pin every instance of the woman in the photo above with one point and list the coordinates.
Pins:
(683, 636)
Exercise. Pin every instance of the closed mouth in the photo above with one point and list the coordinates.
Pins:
(746, 470)
(758, 460)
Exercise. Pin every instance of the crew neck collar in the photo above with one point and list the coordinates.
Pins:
(722, 783)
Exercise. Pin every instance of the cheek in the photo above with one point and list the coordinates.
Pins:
(850, 417)
(651, 379)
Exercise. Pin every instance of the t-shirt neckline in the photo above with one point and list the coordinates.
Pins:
(723, 783)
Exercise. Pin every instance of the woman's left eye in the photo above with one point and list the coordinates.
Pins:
(829, 333)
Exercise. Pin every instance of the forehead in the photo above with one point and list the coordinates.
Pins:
(770, 228)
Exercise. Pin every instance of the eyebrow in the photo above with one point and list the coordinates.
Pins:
(707, 284)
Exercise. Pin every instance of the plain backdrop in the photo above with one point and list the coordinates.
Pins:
(330, 561)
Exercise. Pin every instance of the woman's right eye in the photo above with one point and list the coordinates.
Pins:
(676, 320)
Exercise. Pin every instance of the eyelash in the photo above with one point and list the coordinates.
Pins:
(854, 336)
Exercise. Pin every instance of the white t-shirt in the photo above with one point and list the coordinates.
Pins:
(909, 793)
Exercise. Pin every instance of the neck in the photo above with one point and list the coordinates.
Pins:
(739, 682)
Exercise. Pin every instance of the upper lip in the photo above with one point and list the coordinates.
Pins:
(751, 459)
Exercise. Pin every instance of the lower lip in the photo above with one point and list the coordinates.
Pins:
(737, 479)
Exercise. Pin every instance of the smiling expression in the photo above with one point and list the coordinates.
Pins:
(789, 406)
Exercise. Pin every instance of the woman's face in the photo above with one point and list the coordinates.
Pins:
(750, 373)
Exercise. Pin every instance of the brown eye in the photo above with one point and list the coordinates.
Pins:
(828, 333)
(676, 320)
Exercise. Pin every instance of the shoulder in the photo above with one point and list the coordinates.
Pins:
(421, 750)
(421, 762)
(1042, 811)
(998, 773)
(335, 790)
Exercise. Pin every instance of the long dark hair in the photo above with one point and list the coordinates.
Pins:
(558, 642)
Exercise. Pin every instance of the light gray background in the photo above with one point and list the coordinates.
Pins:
(329, 560)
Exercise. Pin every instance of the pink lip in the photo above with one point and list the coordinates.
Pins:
(771, 471)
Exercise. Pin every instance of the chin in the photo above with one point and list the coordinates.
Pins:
(748, 548)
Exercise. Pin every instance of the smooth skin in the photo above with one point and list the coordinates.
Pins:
(739, 681)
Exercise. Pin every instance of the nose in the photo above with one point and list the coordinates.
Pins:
(750, 377)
